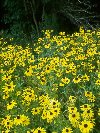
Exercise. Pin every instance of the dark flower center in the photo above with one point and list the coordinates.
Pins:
(51, 113)
(67, 130)
(35, 110)
(30, 95)
(85, 125)
(9, 86)
(7, 123)
(18, 117)
(10, 103)
(39, 131)
(73, 115)
(54, 103)
(85, 106)
(88, 111)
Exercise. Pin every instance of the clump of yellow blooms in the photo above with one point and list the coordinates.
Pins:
(55, 90)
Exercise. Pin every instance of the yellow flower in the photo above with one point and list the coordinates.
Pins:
(81, 29)
(61, 84)
(29, 72)
(7, 122)
(18, 93)
(74, 116)
(85, 78)
(47, 69)
(59, 43)
(65, 80)
(97, 82)
(25, 120)
(86, 126)
(36, 110)
(98, 74)
(28, 95)
(50, 116)
(74, 119)
(9, 87)
(88, 94)
(72, 99)
(47, 46)
(98, 33)
(21, 119)
(17, 120)
(76, 80)
(99, 112)
(61, 33)
(88, 114)
(72, 109)
(39, 130)
(92, 98)
(44, 114)
(6, 77)
(67, 130)
(85, 107)
(11, 105)
(76, 34)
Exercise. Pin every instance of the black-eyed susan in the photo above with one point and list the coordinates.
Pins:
(72, 109)
(28, 95)
(44, 101)
(74, 116)
(6, 131)
(76, 80)
(44, 114)
(61, 84)
(85, 78)
(47, 45)
(39, 130)
(92, 98)
(67, 130)
(32, 131)
(29, 71)
(36, 111)
(6, 95)
(25, 120)
(86, 126)
(7, 123)
(88, 114)
(85, 107)
(72, 99)
(43, 80)
(97, 82)
(17, 120)
(11, 104)
(56, 111)
(54, 103)
(99, 111)
(6, 77)
(65, 80)
(50, 116)
(59, 42)
(88, 93)
(8, 87)
(47, 69)
(61, 33)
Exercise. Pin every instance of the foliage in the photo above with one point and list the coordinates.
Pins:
(55, 90)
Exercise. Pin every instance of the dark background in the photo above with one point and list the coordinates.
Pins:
(27, 17)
